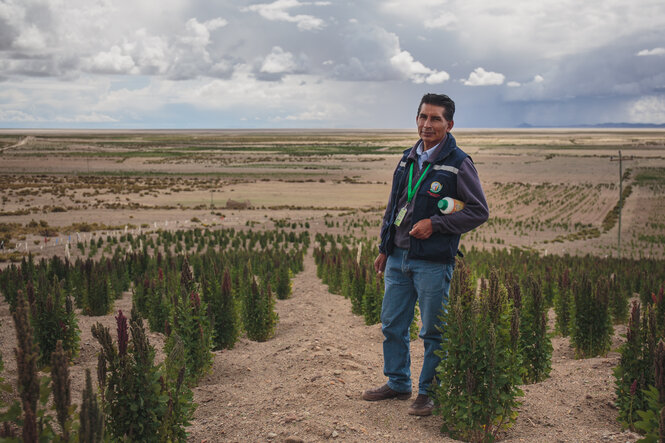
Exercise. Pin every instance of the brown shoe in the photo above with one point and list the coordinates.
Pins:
(383, 393)
(422, 405)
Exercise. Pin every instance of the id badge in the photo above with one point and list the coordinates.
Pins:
(400, 216)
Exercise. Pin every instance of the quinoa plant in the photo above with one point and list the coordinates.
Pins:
(535, 344)
(259, 316)
(27, 355)
(132, 399)
(618, 301)
(224, 310)
(159, 304)
(635, 372)
(283, 282)
(179, 406)
(563, 304)
(592, 326)
(53, 319)
(651, 422)
(479, 372)
(61, 388)
(372, 299)
(30, 413)
(99, 300)
(191, 324)
(658, 300)
(91, 428)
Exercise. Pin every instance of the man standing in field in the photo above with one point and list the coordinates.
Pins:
(419, 245)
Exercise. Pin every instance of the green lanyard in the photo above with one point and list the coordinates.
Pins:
(410, 192)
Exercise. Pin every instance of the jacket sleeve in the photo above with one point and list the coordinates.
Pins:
(385, 223)
(475, 212)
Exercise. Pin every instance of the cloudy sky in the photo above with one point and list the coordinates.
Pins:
(328, 64)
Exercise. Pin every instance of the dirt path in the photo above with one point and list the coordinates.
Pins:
(305, 383)
(23, 141)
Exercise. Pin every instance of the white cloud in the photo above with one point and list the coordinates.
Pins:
(31, 39)
(197, 34)
(654, 51)
(649, 109)
(151, 53)
(216, 23)
(480, 77)
(316, 115)
(416, 71)
(278, 62)
(277, 11)
(112, 62)
(538, 78)
(437, 77)
(411, 10)
(16, 116)
(513, 84)
(443, 21)
(87, 118)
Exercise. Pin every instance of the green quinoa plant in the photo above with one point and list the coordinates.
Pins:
(179, 406)
(535, 344)
(282, 284)
(191, 324)
(223, 308)
(53, 319)
(563, 304)
(618, 301)
(259, 316)
(372, 299)
(478, 377)
(592, 326)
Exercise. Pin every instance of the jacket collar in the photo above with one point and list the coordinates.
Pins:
(445, 147)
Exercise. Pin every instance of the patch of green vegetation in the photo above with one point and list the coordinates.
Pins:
(650, 176)
(658, 239)
(584, 234)
(611, 218)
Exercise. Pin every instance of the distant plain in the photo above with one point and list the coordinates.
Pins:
(548, 190)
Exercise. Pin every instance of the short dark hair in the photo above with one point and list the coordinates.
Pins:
(439, 100)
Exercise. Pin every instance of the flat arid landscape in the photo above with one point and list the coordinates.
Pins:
(551, 192)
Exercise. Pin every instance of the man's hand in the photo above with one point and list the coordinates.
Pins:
(380, 263)
(422, 229)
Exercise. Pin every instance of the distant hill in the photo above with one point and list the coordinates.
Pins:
(602, 126)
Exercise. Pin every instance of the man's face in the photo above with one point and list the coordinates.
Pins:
(432, 125)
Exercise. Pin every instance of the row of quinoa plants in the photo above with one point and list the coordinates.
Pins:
(626, 276)
(345, 264)
(225, 290)
(238, 286)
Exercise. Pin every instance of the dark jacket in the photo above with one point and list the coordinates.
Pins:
(439, 182)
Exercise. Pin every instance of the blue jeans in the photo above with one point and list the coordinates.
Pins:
(408, 280)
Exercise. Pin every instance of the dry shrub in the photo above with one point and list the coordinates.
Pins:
(234, 204)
